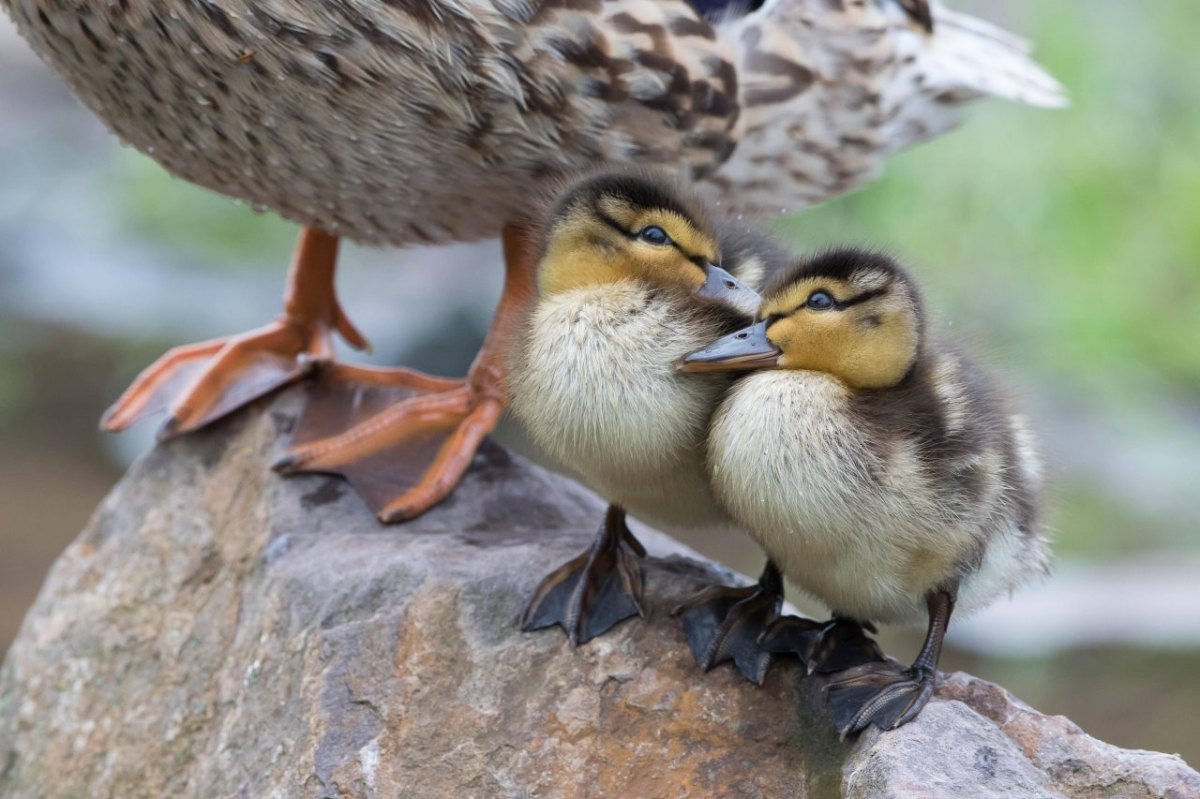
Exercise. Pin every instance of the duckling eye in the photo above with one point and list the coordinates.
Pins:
(655, 235)
(819, 301)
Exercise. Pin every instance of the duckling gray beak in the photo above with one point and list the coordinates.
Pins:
(748, 348)
(725, 289)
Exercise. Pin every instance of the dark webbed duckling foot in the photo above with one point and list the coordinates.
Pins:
(825, 647)
(723, 623)
(883, 692)
(594, 592)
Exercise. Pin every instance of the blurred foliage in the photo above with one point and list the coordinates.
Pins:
(180, 216)
(1071, 236)
(18, 391)
(1121, 694)
(1088, 522)
(14, 381)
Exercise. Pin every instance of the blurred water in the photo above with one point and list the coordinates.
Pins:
(1148, 600)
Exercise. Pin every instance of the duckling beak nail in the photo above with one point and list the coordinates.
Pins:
(725, 289)
(748, 348)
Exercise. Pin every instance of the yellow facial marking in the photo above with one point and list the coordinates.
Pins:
(594, 246)
(868, 340)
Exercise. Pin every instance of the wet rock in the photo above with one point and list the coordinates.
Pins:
(219, 631)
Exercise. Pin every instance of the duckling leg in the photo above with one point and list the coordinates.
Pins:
(723, 623)
(200, 383)
(591, 594)
(406, 453)
(884, 693)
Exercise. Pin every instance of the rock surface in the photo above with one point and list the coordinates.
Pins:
(217, 631)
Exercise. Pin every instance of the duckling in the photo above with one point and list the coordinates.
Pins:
(432, 121)
(629, 265)
(877, 465)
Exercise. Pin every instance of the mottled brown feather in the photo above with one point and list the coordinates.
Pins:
(399, 121)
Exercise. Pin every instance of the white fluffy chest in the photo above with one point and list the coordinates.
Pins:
(597, 387)
(783, 455)
(856, 525)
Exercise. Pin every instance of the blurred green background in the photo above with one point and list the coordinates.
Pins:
(1063, 246)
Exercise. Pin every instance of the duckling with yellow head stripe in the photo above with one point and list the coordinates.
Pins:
(628, 262)
(879, 467)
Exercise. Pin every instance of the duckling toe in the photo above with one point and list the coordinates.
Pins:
(843, 644)
(724, 623)
(794, 635)
(882, 693)
(591, 594)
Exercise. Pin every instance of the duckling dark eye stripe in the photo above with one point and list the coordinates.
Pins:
(629, 234)
(612, 223)
(841, 305)
(866, 295)
(698, 260)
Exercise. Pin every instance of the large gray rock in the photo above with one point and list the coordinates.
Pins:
(217, 631)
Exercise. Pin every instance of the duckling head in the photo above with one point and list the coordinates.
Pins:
(853, 314)
(626, 225)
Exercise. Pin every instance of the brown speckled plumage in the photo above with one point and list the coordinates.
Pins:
(400, 121)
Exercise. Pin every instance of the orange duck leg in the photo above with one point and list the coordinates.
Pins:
(199, 383)
(402, 438)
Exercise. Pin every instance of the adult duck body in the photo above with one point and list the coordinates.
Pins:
(416, 121)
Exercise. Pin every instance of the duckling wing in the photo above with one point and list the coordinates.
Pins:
(979, 466)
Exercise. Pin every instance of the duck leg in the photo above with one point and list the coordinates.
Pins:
(593, 593)
(884, 693)
(199, 383)
(404, 439)
(724, 623)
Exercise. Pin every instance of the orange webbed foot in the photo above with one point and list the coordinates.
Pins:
(199, 383)
(405, 439)
(402, 438)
